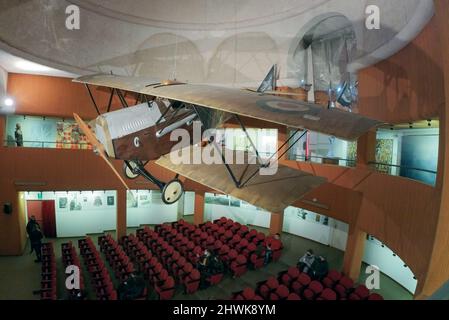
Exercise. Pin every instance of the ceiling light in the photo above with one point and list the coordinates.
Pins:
(8, 102)
(31, 66)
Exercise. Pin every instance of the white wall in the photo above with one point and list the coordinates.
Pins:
(389, 264)
(151, 210)
(90, 218)
(3, 82)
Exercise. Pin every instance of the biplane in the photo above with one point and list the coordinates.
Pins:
(140, 133)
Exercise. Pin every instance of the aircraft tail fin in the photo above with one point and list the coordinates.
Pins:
(269, 83)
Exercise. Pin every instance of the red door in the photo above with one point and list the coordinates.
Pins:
(49, 218)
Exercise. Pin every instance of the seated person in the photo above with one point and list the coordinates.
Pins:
(132, 288)
(268, 252)
(203, 267)
(320, 268)
(216, 266)
(306, 261)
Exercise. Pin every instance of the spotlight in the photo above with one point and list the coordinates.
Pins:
(429, 123)
(410, 126)
(8, 102)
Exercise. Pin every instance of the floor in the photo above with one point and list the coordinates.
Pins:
(19, 276)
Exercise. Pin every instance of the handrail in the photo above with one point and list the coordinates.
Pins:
(401, 167)
(43, 143)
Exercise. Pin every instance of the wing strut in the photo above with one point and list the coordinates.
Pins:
(240, 183)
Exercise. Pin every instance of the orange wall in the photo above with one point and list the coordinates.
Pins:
(408, 86)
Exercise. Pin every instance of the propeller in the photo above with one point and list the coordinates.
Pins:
(98, 146)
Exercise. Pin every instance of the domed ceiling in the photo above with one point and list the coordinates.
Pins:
(232, 42)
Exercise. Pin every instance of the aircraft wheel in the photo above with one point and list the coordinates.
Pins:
(129, 170)
(172, 192)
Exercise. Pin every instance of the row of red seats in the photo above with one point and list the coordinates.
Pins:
(241, 236)
(294, 285)
(177, 257)
(48, 275)
(116, 257)
(70, 258)
(100, 277)
(186, 246)
(236, 263)
(150, 266)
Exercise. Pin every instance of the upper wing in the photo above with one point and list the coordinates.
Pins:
(291, 113)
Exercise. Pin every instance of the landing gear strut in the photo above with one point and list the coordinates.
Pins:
(172, 191)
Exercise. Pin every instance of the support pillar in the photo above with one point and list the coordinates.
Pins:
(180, 209)
(354, 253)
(276, 223)
(121, 213)
(282, 137)
(198, 216)
(366, 149)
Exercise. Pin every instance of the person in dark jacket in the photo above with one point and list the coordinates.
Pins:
(35, 234)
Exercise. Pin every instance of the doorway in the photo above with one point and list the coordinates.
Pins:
(44, 211)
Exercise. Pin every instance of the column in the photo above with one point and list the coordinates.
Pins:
(121, 213)
(180, 209)
(282, 137)
(198, 217)
(276, 223)
(354, 253)
(366, 149)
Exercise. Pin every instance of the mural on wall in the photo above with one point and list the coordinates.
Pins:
(69, 136)
(384, 155)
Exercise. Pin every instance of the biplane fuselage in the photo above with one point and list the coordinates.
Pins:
(143, 132)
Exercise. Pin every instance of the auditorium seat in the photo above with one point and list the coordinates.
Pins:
(332, 278)
(239, 265)
(375, 296)
(165, 288)
(192, 282)
(301, 283)
(328, 294)
(313, 290)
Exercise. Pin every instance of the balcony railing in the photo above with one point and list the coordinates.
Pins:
(48, 145)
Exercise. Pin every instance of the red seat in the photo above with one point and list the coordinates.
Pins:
(301, 283)
(282, 292)
(268, 287)
(248, 294)
(343, 286)
(257, 261)
(293, 296)
(166, 289)
(362, 291)
(192, 281)
(375, 296)
(328, 294)
(238, 266)
(313, 290)
(215, 279)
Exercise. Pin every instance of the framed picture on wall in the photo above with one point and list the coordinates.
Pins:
(62, 203)
(110, 200)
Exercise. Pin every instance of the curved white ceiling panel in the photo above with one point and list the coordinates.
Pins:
(231, 42)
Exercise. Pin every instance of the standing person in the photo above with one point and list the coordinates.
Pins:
(18, 135)
(34, 233)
